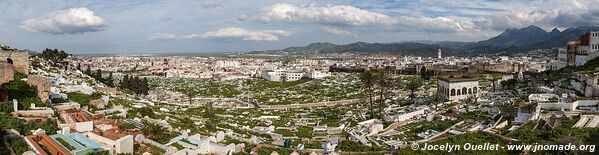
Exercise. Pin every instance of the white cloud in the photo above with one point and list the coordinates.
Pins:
(210, 3)
(555, 13)
(437, 24)
(349, 16)
(70, 21)
(341, 15)
(244, 34)
(169, 36)
(339, 32)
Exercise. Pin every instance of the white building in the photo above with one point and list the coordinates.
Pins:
(578, 52)
(313, 74)
(542, 97)
(225, 64)
(457, 89)
(282, 75)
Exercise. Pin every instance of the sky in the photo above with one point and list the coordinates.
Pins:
(177, 26)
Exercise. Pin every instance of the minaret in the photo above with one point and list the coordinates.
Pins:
(439, 53)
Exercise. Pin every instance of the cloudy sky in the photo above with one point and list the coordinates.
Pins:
(162, 26)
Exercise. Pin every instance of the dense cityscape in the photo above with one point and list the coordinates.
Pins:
(323, 98)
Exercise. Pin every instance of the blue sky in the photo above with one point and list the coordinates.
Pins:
(163, 26)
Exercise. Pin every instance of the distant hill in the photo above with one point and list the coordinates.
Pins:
(529, 38)
(510, 41)
(415, 49)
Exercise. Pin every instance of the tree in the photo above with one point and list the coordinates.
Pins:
(210, 109)
(413, 86)
(511, 83)
(144, 86)
(367, 79)
(382, 81)
(79, 66)
(88, 71)
(54, 56)
(109, 81)
(135, 84)
(425, 74)
(98, 75)
(125, 82)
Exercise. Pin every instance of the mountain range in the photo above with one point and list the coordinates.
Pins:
(510, 41)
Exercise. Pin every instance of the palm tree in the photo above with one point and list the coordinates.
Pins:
(382, 81)
(493, 80)
(413, 86)
(367, 78)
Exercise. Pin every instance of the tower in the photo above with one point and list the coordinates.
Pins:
(439, 53)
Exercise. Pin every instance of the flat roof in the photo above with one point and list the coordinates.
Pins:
(83, 140)
(452, 80)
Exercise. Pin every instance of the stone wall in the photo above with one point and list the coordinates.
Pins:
(20, 60)
(6, 75)
(42, 85)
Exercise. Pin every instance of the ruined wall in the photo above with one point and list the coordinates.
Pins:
(6, 75)
(42, 85)
(19, 59)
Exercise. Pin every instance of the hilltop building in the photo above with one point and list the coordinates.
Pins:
(455, 89)
(578, 52)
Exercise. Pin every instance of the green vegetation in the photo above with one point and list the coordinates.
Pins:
(135, 84)
(65, 144)
(108, 80)
(178, 146)
(337, 87)
(305, 132)
(281, 151)
(103, 152)
(127, 126)
(54, 55)
(157, 133)
(141, 112)
(351, 146)
(283, 132)
(22, 92)
(84, 99)
(156, 150)
(18, 145)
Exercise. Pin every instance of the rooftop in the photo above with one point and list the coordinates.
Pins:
(452, 80)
